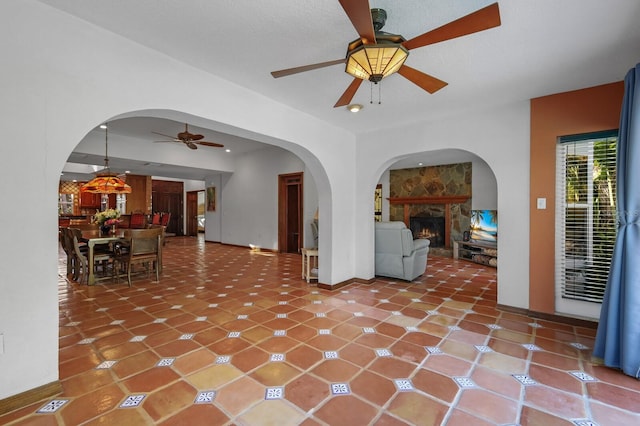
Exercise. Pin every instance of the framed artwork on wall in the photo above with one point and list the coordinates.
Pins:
(211, 199)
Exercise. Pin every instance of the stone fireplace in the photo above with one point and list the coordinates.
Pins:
(426, 193)
(430, 228)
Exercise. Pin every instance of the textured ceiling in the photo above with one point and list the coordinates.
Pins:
(542, 47)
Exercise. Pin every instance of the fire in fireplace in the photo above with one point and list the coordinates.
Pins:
(431, 228)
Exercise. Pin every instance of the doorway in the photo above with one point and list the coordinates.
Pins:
(195, 213)
(167, 197)
(290, 197)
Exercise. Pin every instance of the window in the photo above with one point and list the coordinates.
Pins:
(586, 222)
(65, 204)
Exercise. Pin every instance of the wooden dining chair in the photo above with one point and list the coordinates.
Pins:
(141, 246)
(137, 221)
(81, 260)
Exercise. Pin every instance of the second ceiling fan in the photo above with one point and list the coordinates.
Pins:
(192, 140)
(377, 54)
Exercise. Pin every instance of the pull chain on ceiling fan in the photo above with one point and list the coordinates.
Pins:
(376, 54)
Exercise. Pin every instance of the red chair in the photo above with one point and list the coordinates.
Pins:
(165, 219)
(156, 219)
(137, 221)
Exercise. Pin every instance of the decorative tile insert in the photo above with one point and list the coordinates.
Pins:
(284, 302)
(464, 382)
(102, 309)
(383, 352)
(213, 305)
(434, 350)
(276, 358)
(331, 355)
(368, 330)
(52, 406)
(233, 334)
(324, 331)
(396, 313)
(524, 379)
(87, 341)
(581, 375)
(384, 300)
(579, 346)
(535, 325)
(104, 365)
(132, 401)
(201, 319)
(73, 323)
(320, 315)
(317, 302)
(248, 304)
(584, 422)
(340, 389)
(116, 322)
(454, 328)
(531, 347)
(223, 359)
(187, 336)
(494, 326)
(159, 320)
(483, 348)
(274, 393)
(404, 385)
(176, 307)
(243, 317)
(280, 333)
(205, 397)
(165, 362)
(281, 315)
(411, 328)
(358, 314)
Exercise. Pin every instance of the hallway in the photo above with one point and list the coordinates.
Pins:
(231, 336)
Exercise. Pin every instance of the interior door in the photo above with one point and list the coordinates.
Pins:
(192, 214)
(290, 197)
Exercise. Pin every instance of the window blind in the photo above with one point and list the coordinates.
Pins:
(586, 221)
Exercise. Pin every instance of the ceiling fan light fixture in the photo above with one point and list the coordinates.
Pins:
(374, 62)
(105, 181)
(354, 107)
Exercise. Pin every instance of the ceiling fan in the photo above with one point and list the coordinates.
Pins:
(377, 54)
(191, 140)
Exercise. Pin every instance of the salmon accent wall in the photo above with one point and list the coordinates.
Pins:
(581, 111)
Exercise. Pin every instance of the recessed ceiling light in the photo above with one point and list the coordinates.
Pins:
(127, 171)
(103, 126)
(354, 107)
(420, 164)
(227, 150)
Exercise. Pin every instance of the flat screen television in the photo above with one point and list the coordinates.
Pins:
(484, 226)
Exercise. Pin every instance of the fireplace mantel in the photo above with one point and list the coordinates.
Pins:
(446, 200)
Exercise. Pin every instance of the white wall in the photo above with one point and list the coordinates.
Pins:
(250, 197)
(59, 80)
(61, 77)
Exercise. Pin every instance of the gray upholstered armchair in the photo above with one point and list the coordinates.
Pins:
(398, 255)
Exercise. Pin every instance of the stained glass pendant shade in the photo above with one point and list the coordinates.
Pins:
(106, 182)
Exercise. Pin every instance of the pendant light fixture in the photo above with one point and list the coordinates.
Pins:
(106, 182)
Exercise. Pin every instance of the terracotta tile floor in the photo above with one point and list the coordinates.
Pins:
(234, 337)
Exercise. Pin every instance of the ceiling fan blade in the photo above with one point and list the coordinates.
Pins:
(304, 68)
(213, 144)
(359, 13)
(425, 81)
(349, 93)
(186, 136)
(483, 19)
(173, 141)
(191, 145)
(166, 136)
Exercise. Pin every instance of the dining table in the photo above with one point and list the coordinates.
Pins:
(95, 238)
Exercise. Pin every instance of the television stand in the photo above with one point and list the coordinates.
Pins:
(484, 253)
